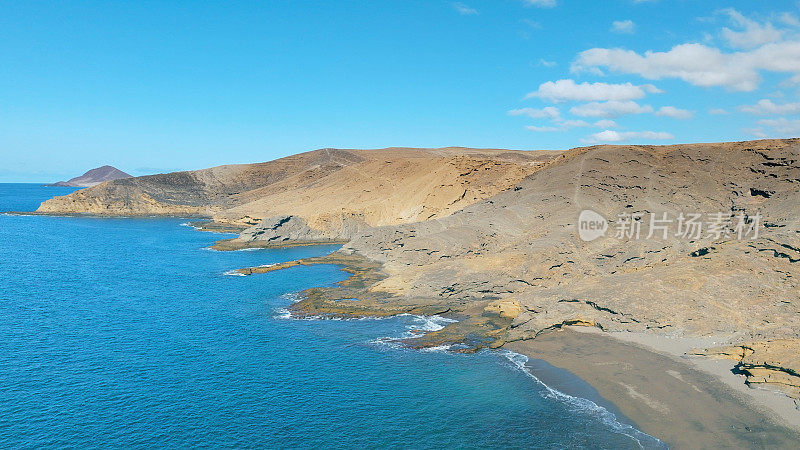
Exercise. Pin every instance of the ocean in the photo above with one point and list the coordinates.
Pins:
(131, 333)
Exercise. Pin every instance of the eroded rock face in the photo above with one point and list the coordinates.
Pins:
(509, 309)
(294, 229)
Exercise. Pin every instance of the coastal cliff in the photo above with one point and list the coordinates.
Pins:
(491, 235)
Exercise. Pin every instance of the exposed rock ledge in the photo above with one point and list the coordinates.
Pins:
(775, 362)
(283, 231)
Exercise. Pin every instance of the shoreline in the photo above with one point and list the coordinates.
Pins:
(664, 397)
(643, 379)
(568, 387)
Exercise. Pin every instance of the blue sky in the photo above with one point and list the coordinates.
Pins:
(152, 86)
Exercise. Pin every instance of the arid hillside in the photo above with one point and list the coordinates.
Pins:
(518, 253)
(323, 188)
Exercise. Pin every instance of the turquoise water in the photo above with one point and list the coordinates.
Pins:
(127, 333)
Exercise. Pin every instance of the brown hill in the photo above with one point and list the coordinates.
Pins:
(325, 188)
(492, 237)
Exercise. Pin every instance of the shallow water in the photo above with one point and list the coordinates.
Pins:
(127, 332)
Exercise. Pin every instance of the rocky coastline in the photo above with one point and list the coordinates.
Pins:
(509, 265)
(673, 383)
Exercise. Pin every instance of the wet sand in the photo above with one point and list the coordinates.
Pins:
(662, 395)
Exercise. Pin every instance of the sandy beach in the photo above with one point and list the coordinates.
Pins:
(667, 397)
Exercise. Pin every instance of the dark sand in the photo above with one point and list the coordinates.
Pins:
(664, 397)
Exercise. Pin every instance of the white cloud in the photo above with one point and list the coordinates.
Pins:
(542, 129)
(757, 132)
(675, 113)
(548, 112)
(767, 107)
(766, 48)
(465, 10)
(783, 125)
(546, 63)
(789, 19)
(697, 64)
(569, 90)
(605, 123)
(564, 125)
(623, 26)
(717, 112)
(754, 34)
(575, 124)
(623, 136)
(793, 80)
(610, 109)
(540, 3)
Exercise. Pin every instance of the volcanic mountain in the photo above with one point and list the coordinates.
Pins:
(94, 177)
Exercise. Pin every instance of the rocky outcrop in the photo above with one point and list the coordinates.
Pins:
(94, 177)
(776, 362)
(283, 231)
(296, 229)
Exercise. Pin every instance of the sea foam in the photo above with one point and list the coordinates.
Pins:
(419, 326)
